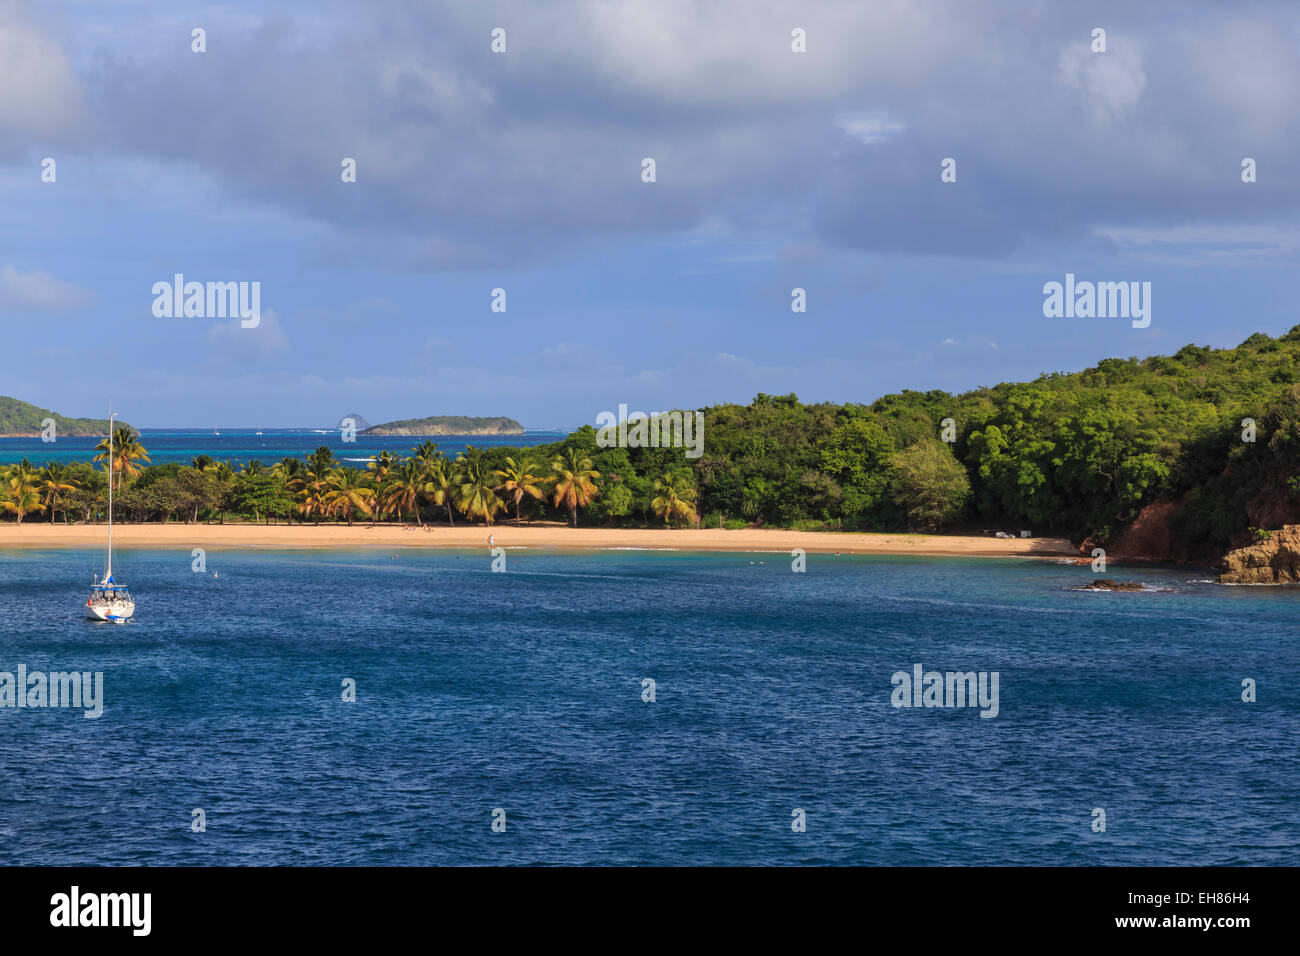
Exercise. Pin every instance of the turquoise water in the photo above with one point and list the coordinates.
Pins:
(523, 691)
(168, 445)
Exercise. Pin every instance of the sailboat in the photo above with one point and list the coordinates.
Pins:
(109, 600)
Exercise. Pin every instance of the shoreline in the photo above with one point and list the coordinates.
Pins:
(555, 536)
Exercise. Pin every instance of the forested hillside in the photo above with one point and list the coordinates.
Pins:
(23, 418)
(1164, 440)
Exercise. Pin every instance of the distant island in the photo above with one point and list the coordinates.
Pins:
(353, 420)
(447, 425)
(23, 420)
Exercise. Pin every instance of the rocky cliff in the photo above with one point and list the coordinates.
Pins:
(1275, 560)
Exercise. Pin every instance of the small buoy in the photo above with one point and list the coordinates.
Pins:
(214, 574)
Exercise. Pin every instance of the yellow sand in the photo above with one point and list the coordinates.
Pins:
(37, 534)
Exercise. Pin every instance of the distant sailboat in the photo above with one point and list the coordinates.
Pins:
(110, 601)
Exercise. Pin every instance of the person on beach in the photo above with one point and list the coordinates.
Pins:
(490, 541)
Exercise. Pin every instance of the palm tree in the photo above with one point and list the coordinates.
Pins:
(574, 487)
(439, 484)
(203, 462)
(475, 492)
(127, 454)
(310, 486)
(676, 498)
(55, 479)
(321, 460)
(406, 484)
(253, 468)
(22, 491)
(348, 492)
(520, 481)
(312, 502)
(380, 467)
(426, 452)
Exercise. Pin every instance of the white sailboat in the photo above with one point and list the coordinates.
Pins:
(109, 600)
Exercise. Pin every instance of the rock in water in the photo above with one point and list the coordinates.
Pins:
(1106, 584)
(1275, 560)
(359, 423)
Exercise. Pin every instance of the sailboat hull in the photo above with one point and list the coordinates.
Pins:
(117, 612)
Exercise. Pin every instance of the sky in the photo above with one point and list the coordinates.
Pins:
(523, 171)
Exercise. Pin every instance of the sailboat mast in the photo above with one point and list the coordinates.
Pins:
(109, 574)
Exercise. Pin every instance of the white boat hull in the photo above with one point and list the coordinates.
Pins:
(118, 612)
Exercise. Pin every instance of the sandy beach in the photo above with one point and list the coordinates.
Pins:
(38, 534)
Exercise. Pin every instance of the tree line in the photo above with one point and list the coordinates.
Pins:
(1213, 432)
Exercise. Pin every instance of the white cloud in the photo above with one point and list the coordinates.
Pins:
(40, 94)
(264, 341)
(870, 128)
(1110, 83)
(39, 292)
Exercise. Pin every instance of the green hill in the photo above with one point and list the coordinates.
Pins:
(24, 419)
(1084, 453)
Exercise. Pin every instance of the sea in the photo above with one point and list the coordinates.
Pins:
(620, 707)
(267, 445)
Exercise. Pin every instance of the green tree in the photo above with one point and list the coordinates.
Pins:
(574, 482)
(520, 481)
(929, 484)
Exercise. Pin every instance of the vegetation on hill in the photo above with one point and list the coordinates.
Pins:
(1080, 454)
(23, 418)
(448, 425)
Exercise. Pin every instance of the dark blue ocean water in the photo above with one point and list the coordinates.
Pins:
(522, 690)
(240, 444)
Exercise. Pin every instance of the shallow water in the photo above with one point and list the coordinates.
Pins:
(523, 691)
(238, 445)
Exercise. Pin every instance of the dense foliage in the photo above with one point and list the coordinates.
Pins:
(1080, 454)
(23, 418)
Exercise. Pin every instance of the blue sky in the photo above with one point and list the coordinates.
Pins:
(522, 171)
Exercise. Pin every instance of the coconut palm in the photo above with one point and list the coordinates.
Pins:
(253, 468)
(406, 483)
(426, 452)
(475, 492)
(520, 481)
(127, 454)
(55, 479)
(348, 491)
(311, 486)
(380, 468)
(675, 499)
(574, 487)
(440, 480)
(312, 503)
(22, 491)
(287, 469)
(203, 462)
(380, 465)
(321, 460)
